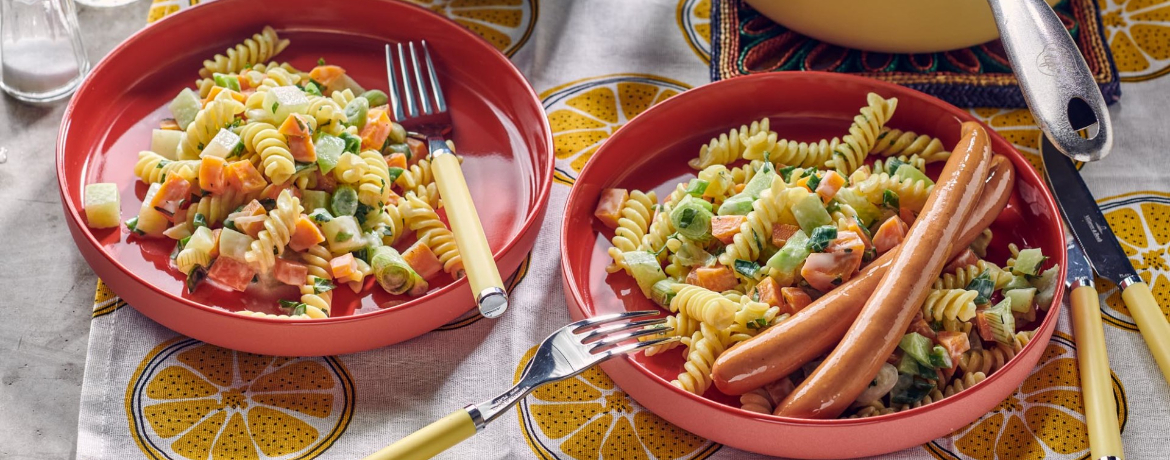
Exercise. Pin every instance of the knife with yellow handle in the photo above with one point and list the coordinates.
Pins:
(1105, 253)
(1092, 358)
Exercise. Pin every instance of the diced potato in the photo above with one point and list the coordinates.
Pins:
(233, 244)
(185, 106)
(222, 145)
(283, 101)
(345, 229)
(202, 239)
(150, 221)
(165, 142)
(102, 205)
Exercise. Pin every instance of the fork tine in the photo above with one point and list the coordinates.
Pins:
(395, 97)
(597, 320)
(636, 346)
(406, 84)
(424, 101)
(619, 338)
(440, 103)
(619, 327)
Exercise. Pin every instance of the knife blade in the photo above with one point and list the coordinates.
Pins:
(1105, 255)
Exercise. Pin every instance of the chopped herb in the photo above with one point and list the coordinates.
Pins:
(362, 254)
(298, 310)
(862, 226)
(175, 252)
(162, 163)
(394, 172)
(984, 285)
(893, 164)
(833, 206)
(786, 173)
(300, 124)
(303, 166)
(312, 88)
(268, 204)
(697, 187)
(200, 220)
(821, 237)
(197, 275)
(230, 224)
(183, 242)
(362, 210)
(201, 146)
(162, 178)
(342, 237)
(237, 150)
(890, 199)
(758, 323)
(869, 255)
(320, 215)
(294, 308)
(809, 172)
(275, 105)
(686, 218)
(814, 181)
(132, 224)
(321, 285)
(747, 268)
(320, 61)
(352, 143)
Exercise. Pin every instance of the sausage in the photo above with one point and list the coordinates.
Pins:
(850, 367)
(814, 330)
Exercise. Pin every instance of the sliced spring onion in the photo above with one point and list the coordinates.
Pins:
(983, 285)
(821, 237)
(697, 187)
(1003, 323)
(747, 268)
(645, 269)
(1028, 262)
(692, 219)
(890, 199)
(662, 292)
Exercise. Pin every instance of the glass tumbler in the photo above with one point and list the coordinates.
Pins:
(42, 58)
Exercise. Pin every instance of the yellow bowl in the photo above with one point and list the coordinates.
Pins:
(892, 26)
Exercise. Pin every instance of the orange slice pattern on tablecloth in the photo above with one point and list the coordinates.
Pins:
(694, 20)
(584, 113)
(506, 24)
(1139, 36)
(105, 301)
(1141, 222)
(191, 400)
(588, 418)
(1018, 127)
(162, 8)
(1043, 419)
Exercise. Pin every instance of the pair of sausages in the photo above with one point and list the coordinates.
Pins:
(816, 329)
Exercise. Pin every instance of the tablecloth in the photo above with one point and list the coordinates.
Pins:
(151, 393)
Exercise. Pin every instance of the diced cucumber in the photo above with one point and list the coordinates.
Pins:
(645, 269)
(790, 256)
(313, 199)
(233, 244)
(1017, 282)
(185, 106)
(344, 202)
(150, 221)
(329, 148)
(343, 234)
(910, 172)
(662, 292)
(738, 205)
(866, 211)
(202, 239)
(165, 142)
(231, 82)
(697, 187)
(910, 390)
(102, 205)
(1021, 299)
(917, 346)
(1028, 262)
(283, 101)
(223, 145)
(1046, 287)
(810, 213)
(741, 203)
(909, 366)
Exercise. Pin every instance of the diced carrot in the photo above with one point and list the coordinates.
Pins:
(422, 259)
(418, 150)
(169, 124)
(305, 234)
(782, 232)
(889, 234)
(769, 292)
(174, 190)
(983, 326)
(243, 177)
(718, 279)
(796, 298)
(249, 220)
(908, 215)
(289, 272)
(273, 191)
(831, 182)
(302, 149)
(692, 278)
(377, 129)
(211, 174)
(216, 90)
(724, 228)
(609, 207)
(827, 270)
(919, 325)
(296, 125)
(803, 182)
(965, 258)
(956, 343)
(852, 226)
(214, 252)
(231, 273)
(739, 188)
(343, 266)
(396, 160)
(326, 74)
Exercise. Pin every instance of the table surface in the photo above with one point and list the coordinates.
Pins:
(42, 345)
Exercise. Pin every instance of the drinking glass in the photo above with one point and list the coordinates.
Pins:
(41, 54)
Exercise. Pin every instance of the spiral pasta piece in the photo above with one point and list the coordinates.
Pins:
(911, 193)
(343, 97)
(189, 258)
(856, 145)
(423, 220)
(152, 167)
(751, 318)
(419, 178)
(681, 326)
(661, 227)
(374, 185)
(986, 360)
(963, 276)
(216, 115)
(386, 221)
(261, 47)
(278, 229)
(254, 75)
(1011, 261)
(706, 345)
(950, 305)
(329, 116)
(728, 147)
(886, 166)
(803, 154)
(271, 78)
(968, 380)
(316, 258)
(704, 305)
(310, 313)
(216, 207)
(744, 173)
(276, 161)
(873, 409)
(897, 142)
(632, 226)
(756, 401)
(757, 229)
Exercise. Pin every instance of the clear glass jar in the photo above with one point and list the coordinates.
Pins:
(42, 58)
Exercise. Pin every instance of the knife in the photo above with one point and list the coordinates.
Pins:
(1105, 255)
(1092, 358)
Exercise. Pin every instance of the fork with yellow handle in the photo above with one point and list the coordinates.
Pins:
(434, 121)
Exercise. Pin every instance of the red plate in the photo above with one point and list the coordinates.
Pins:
(805, 106)
(501, 131)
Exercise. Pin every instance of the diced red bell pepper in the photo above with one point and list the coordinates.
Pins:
(889, 235)
(243, 177)
(422, 259)
(211, 174)
(231, 273)
(289, 272)
(824, 271)
(796, 298)
(609, 207)
(782, 232)
(305, 235)
(724, 228)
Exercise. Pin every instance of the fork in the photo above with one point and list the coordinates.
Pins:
(567, 352)
(434, 121)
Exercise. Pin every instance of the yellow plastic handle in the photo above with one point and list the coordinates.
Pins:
(429, 441)
(1100, 408)
(469, 237)
(1151, 322)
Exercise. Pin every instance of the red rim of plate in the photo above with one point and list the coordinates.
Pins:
(542, 196)
(1023, 169)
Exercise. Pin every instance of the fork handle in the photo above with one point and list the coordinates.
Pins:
(478, 262)
(431, 440)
